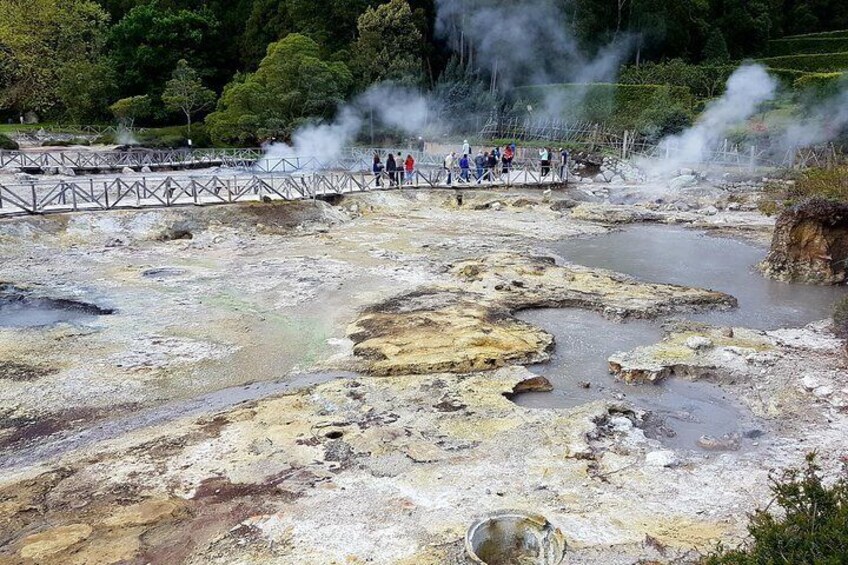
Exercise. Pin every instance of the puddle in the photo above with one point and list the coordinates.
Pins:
(19, 309)
(585, 340)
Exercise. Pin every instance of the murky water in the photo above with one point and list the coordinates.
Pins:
(585, 340)
(686, 257)
(37, 312)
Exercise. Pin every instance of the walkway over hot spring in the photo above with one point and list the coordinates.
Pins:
(257, 183)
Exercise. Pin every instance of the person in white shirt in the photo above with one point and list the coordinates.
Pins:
(450, 160)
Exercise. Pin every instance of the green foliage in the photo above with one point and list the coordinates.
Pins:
(185, 93)
(389, 45)
(811, 184)
(148, 42)
(715, 51)
(293, 83)
(807, 45)
(823, 85)
(331, 23)
(840, 317)
(811, 527)
(174, 137)
(831, 184)
(646, 108)
(461, 96)
(703, 81)
(40, 38)
(130, 109)
(820, 35)
(828, 63)
(86, 88)
(7, 143)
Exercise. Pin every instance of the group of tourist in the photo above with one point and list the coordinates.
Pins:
(487, 166)
(399, 171)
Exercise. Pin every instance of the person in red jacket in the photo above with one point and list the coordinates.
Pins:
(409, 166)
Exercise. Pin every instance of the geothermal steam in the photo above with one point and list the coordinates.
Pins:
(748, 87)
(384, 105)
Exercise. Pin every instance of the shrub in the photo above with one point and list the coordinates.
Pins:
(624, 106)
(821, 84)
(840, 318)
(703, 81)
(811, 528)
(831, 184)
(807, 45)
(822, 63)
(820, 34)
(7, 143)
(828, 184)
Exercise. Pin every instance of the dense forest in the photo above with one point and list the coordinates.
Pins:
(261, 67)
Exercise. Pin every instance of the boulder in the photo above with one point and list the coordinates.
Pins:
(810, 244)
(145, 169)
(127, 171)
(67, 171)
(683, 181)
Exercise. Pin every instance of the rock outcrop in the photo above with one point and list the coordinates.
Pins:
(704, 353)
(466, 325)
(810, 244)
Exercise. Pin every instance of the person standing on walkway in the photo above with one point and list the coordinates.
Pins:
(450, 162)
(545, 159)
(464, 166)
(399, 168)
(466, 148)
(563, 165)
(391, 168)
(508, 156)
(491, 164)
(480, 163)
(377, 169)
(409, 165)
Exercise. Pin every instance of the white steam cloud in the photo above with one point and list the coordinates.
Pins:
(319, 145)
(823, 123)
(527, 43)
(748, 87)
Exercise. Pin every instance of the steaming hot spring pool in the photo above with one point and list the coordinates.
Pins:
(585, 340)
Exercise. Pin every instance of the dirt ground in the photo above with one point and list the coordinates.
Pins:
(330, 382)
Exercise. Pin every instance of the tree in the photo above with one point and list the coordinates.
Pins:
(86, 88)
(715, 51)
(185, 92)
(40, 38)
(293, 83)
(128, 110)
(149, 41)
(389, 45)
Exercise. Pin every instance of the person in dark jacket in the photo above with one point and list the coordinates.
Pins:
(377, 169)
(464, 166)
(480, 163)
(391, 168)
(563, 164)
(491, 165)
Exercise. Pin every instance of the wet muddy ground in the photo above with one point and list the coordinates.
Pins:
(224, 413)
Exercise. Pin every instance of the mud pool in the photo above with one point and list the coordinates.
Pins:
(585, 340)
(18, 310)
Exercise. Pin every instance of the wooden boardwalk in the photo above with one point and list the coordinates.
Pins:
(151, 191)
